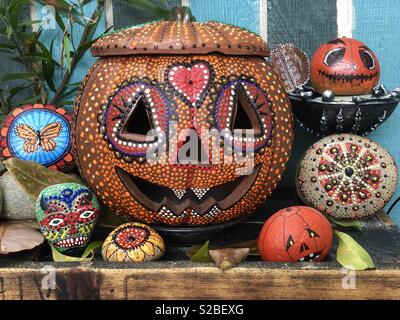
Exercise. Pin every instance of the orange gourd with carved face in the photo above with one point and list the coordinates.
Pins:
(181, 79)
(295, 234)
(345, 66)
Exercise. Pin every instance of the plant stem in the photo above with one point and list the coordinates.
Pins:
(37, 83)
(86, 35)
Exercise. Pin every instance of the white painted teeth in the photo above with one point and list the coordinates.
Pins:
(200, 192)
(69, 242)
(179, 193)
(301, 259)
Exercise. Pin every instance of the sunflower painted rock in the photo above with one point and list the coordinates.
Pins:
(133, 242)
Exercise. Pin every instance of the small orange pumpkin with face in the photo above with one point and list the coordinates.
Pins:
(295, 234)
(345, 66)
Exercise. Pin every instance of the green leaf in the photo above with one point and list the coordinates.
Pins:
(87, 256)
(18, 76)
(202, 254)
(351, 255)
(16, 90)
(30, 100)
(149, 7)
(355, 224)
(29, 23)
(91, 248)
(65, 103)
(228, 258)
(32, 177)
(66, 43)
(68, 93)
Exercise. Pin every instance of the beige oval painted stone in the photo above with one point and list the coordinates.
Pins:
(347, 176)
(133, 242)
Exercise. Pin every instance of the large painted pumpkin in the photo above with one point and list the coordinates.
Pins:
(295, 234)
(345, 66)
(180, 79)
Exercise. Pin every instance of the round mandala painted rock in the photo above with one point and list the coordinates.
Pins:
(295, 234)
(39, 133)
(67, 214)
(347, 176)
(133, 242)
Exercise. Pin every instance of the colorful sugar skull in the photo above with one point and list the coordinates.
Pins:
(295, 234)
(39, 133)
(133, 242)
(347, 176)
(67, 214)
(200, 77)
(345, 66)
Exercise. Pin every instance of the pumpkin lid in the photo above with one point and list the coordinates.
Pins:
(180, 35)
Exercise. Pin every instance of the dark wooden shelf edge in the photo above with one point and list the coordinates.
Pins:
(179, 280)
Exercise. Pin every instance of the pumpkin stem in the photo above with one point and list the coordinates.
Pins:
(182, 14)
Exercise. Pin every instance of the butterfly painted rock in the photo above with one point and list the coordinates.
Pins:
(67, 214)
(39, 133)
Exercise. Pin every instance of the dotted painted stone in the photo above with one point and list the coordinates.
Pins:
(347, 176)
(67, 214)
(295, 234)
(40, 133)
(133, 242)
(135, 102)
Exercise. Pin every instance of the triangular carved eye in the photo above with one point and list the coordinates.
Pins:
(245, 116)
(138, 121)
(289, 243)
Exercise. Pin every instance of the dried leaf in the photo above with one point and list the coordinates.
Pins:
(351, 255)
(15, 237)
(32, 177)
(229, 258)
(202, 254)
(292, 64)
(251, 244)
(355, 224)
(87, 256)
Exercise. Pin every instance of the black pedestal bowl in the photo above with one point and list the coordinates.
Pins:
(325, 115)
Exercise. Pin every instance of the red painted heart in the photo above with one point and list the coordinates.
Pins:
(191, 81)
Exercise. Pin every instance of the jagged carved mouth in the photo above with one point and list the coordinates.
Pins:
(195, 201)
(347, 78)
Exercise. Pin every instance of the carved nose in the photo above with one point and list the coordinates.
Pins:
(303, 247)
(192, 150)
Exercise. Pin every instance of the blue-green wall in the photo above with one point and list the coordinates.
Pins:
(377, 23)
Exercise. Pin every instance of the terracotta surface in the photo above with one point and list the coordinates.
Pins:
(345, 66)
(295, 234)
(196, 92)
(175, 37)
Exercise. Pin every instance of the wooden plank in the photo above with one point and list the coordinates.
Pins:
(252, 280)
(305, 23)
(126, 16)
(345, 15)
